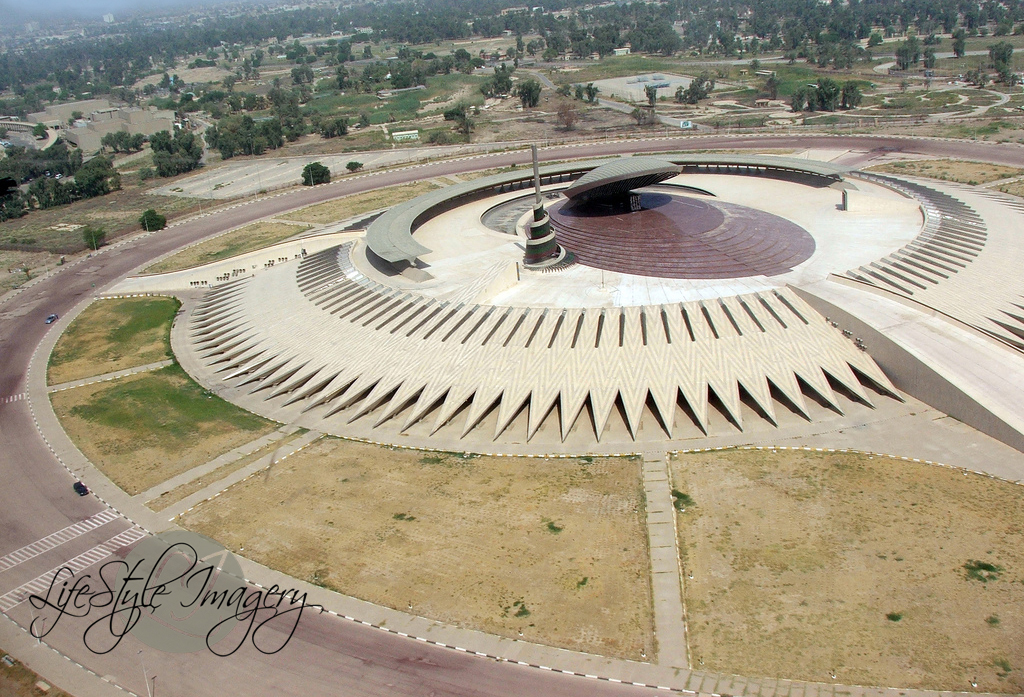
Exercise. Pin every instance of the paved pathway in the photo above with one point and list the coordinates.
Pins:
(219, 461)
(669, 626)
(216, 488)
(108, 376)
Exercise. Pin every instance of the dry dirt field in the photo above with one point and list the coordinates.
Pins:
(12, 263)
(19, 681)
(230, 244)
(1013, 188)
(950, 170)
(215, 74)
(553, 549)
(112, 335)
(349, 206)
(144, 429)
(805, 563)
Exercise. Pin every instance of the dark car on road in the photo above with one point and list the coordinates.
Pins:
(80, 488)
(51, 319)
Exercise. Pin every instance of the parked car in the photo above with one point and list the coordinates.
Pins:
(80, 488)
(52, 318)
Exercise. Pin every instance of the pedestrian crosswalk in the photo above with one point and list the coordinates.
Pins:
(40, 584)
(14, 398)
(45, 544)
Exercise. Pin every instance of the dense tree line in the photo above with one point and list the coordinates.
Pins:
(176, 154)
(58, 177)
(241, 135)
(822, 32)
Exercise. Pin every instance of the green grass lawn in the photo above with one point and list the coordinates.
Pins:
(146, 428)
(113, 335)
(165, 407)
(621, 66)
(402, 107)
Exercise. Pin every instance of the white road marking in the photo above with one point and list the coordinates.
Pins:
(40, 584)
(56, 539)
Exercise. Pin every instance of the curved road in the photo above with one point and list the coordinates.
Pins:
(327, 656)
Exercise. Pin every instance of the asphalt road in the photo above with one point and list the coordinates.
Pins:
(328, 656)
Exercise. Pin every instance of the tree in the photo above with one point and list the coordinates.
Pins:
(1001, 55)
(929, 58)
(151, 221)
(353, 166)
(874, 40)
(651, 92)
(528, 92)
(3, 132)
(39, 130)
(591, 91)
(771, 87)
(331, 128)
(643, 116)
(315, 173)
(568, 115)
(460, 115)
(798, 100)
(699, 88)
(852, 95)
(959, 43)
(93, 235)
(828, 94)
(976, 77)
(180, 153)
(907, 54)
(97, 177)
(500, 84)
(303, 75)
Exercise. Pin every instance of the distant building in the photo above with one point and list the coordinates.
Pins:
(399, 136)
(57, 115)
(624, 51)
(108, 18)
(100, 118)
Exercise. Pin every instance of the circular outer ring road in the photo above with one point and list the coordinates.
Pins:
(328, 655)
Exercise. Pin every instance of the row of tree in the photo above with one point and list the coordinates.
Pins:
(821, 31)
(827, 95)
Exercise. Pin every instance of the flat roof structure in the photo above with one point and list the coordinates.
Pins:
(620, 177)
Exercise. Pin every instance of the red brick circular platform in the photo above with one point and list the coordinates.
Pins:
(676, 236)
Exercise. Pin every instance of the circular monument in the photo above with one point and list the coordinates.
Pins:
(672, 315)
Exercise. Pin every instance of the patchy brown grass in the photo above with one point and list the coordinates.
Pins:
(349, 206)
(182, 492)
(144, 429)
(805, 563)
(14, 265)
(112, 335)
(553, 549)
(19, 681)
(230, 244)
(118, 213)
(961, 171)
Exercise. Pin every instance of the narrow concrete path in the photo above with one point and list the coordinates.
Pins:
(109, 376)
(666, 586)
(219, 461)
(214, 489)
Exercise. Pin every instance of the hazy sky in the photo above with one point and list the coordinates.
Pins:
(86, 8)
